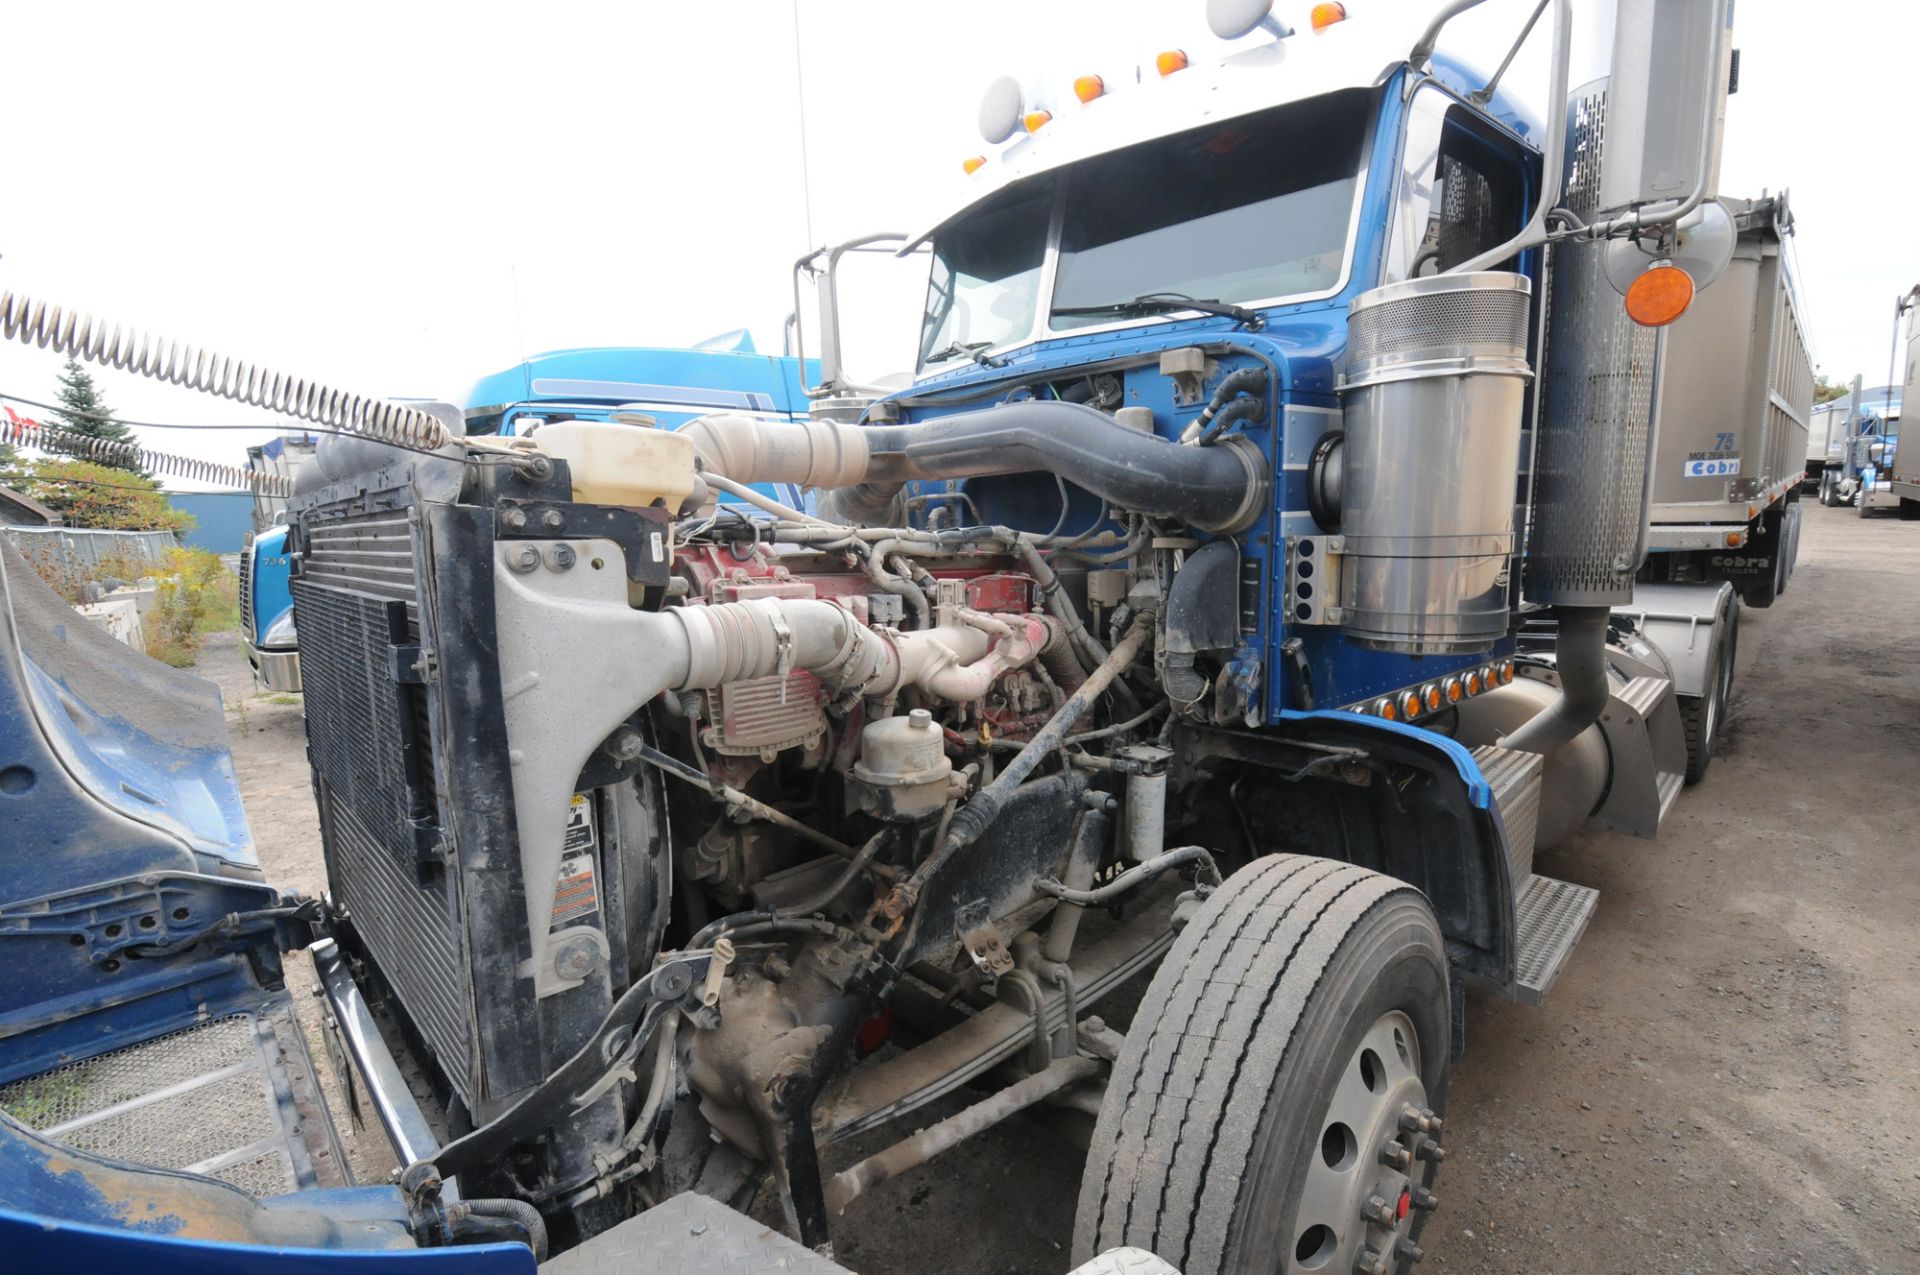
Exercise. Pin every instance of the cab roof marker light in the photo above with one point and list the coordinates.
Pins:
(1326, 15)
(1169, 61)
(1037, 120)
(1089, 87)
(974, 163)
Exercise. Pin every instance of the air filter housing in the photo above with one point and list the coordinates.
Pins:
(1433, 396)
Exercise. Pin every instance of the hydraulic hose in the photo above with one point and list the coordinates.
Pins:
(1133, 877)
(1581, 661)
(518, 1212)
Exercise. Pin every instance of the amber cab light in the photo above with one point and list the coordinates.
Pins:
(1170, 61)
(1325, 15)
(1088, 87)
(1660, 295)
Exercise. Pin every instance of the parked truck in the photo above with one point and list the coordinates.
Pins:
(1241, 593)
(268, 634)
(1873, 473)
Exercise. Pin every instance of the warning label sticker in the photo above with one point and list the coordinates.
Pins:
(577, 891)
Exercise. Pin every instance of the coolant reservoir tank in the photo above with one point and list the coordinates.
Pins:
(1431, 401)
(903, 768)
(622, 464)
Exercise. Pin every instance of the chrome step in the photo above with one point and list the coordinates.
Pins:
(1550, 916)
(1514, 777)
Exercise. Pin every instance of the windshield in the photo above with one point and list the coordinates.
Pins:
(1252, 209)
(986, 275)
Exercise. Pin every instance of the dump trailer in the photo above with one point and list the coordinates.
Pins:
(1240, 595)
(1735, 399)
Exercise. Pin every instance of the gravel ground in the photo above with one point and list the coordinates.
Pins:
(1714, 1085)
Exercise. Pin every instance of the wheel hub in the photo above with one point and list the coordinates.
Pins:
(1365, 1180)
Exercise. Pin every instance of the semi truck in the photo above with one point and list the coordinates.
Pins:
(1832, 423)
(663, 387)
(1240, 595)
(1874, 474)
(268, 635)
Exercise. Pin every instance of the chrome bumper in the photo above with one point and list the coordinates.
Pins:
(277, 670)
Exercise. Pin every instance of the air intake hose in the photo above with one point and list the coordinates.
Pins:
(1215, 489)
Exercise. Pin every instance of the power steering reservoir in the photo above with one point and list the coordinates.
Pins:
(1433, 398)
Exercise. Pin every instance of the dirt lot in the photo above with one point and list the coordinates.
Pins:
(1727, 1078)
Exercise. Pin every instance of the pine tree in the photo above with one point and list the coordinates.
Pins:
(82, 410)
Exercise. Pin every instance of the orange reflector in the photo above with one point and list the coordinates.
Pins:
(974, 163)
(1170, 61)
(1325, 15)
(1659, 296)
(1036, 119)
(1733, 540)
(1088, 87)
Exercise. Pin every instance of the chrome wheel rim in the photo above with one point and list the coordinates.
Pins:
(1362, 1190)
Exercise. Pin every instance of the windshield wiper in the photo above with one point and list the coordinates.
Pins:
(1168, 303)
(969, 348)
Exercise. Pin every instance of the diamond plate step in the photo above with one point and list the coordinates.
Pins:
(690, 1233)
(1514, 777)
(1551, 916)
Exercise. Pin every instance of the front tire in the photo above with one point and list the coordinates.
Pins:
(1275, 1107)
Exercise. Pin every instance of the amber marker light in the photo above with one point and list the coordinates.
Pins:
(974, 163)
(1170, 61)
(1384, 708)
(1660, 295)
(1088, 87)
(1455, 690)
(1037, 120)
(1325, 15)
(1410, 705)
(1473, 681)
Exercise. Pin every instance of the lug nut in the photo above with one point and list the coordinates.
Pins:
(1378, 1211)
(1433, 1151)
(1425, 1200)
(1415, 1119)
(1409, 1250)
(1395, 1156)
(1370, 1263)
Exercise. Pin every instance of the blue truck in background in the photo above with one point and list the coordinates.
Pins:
(1238, 596)
(667, 386)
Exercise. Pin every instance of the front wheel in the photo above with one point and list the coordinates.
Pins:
(1276, 1105)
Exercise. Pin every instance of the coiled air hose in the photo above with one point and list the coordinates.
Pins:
(81, 336)
(17, 431)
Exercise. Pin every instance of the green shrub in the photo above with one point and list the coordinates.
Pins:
(197, 596)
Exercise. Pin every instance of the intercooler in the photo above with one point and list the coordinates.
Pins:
(413, 774)
(357, 598)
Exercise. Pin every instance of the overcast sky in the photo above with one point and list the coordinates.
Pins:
(403, 197)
